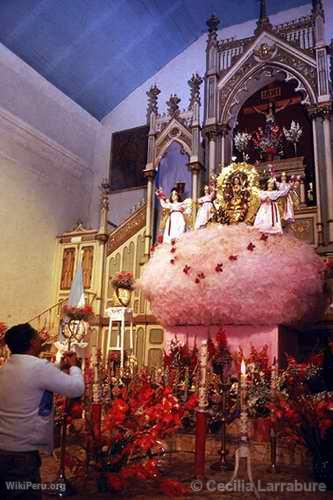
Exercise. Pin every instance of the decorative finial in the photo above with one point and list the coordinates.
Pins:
(173, 105)
(263, 21)
(194, 85)
(152, 94)
(213, 24)
(317, 8)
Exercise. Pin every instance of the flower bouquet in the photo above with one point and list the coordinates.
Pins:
(123, 280)
(84, 313)
(302, 410)
(268, 141)
(241, 141)
(293, 134)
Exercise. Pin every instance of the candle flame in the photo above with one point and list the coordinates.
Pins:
(243, 367)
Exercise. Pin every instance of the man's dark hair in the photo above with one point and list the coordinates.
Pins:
(18, 338)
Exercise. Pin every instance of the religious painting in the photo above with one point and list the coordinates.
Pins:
(129, 158)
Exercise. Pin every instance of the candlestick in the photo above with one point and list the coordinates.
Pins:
(243, 452)
(273, 438)
(201, 416)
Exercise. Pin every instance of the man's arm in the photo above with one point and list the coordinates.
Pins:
(53, 379)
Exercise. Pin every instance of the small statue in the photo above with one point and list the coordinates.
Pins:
(268, 218)
(236, 197)
(206, 208)
(288, 215)
(174, 222)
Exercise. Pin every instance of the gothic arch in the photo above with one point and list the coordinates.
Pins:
(257, 77)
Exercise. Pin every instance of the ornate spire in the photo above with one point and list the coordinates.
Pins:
(263, 21)
(172, 104)
(194, 85)
(152, 94)
(213, 26)
(317, 8)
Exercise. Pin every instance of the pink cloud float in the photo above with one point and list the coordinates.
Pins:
(234, 275)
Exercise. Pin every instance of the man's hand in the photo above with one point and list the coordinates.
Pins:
(69, 359)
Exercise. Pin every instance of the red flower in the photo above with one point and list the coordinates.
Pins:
(201, 276)
(76, 409)
(186, 269)
(219, 268)
(264, 237)
(250, 246)
(173, 242)
(173, 488)
(196, 280)
(173, 249)
(172, 261)
(160, 238)
(233, 257)
(115, 481)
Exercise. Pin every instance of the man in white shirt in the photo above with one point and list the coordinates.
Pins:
(27, 384)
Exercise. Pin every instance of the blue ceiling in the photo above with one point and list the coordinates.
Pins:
(98, 51)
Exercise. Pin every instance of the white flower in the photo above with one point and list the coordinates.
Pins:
(294, 133)
(242, 140)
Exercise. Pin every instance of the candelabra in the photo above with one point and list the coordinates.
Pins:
(243, 451)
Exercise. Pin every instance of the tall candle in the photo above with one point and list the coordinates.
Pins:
(203, 375)
(274, 377)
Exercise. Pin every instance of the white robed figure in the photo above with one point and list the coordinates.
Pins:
(268, 218)
(288, 209)
(176, 209)
(206, 208)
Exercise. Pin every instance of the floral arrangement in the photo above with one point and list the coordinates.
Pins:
(3, 329)
(84, 313)
(131, 445)
(302, 410)
(293, 134)
(241, 141)
(268, 140)
(45, 336)
(239, 262)
(123, 280)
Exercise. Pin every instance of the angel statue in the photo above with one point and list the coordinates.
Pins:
(206, 207)
(176, 214)
(268, 218)
(291, 201)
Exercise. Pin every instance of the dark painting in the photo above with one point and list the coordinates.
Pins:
(128, 158)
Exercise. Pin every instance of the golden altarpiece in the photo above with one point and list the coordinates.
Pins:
(291, 55)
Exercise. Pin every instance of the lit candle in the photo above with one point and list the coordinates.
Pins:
(243, 415)
(243, 384)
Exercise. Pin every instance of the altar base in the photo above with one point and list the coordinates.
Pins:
(279, 339)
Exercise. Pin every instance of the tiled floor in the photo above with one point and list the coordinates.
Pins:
(180, 466)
